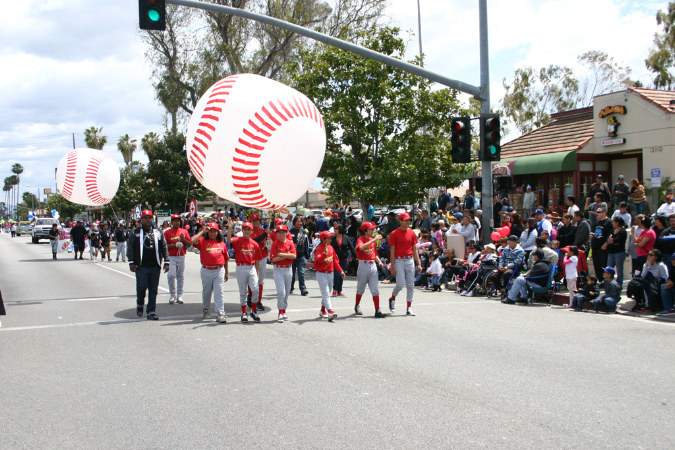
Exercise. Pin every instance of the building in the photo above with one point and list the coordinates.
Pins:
(629, 133)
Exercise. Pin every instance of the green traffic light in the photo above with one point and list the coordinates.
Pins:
(493, 150)
(153, 15)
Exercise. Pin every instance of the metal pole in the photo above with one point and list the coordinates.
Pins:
(339, 43)
(486, 200)
(419, 26)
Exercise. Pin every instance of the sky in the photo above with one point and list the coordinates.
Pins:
(72, 64)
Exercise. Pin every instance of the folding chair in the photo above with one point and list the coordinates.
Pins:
(545, 292)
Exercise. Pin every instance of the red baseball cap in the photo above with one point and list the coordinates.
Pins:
(246, 224)
(278, 220)
(146, 212)
(281, 228)
(367, 226)
(325, 234)
(254, 217)
(336, 215)
(404, 216)
(213, 226)
(175, 216)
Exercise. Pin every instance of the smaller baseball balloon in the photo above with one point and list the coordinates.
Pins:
(88, 177)
(255, 141)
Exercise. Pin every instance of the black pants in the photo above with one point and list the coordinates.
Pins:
(599, 261)
(147, 279)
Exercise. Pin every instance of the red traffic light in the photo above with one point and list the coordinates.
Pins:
(492, 123)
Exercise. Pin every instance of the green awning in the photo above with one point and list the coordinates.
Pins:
(550, 162)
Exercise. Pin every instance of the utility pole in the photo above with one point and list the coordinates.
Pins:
(486, 194)
(73, 141)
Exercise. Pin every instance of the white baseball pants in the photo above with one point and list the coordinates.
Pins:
(282, 280)
(176, 275)
(367, 275)
(325, 281)
(247, 276)
(213, 281)
(122, 250)
(405, 275)
(262, 268)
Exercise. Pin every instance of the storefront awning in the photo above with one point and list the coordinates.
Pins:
(550, 162)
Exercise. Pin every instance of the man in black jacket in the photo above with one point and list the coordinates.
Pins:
(583, 233)
(78, 234)
(536, 277)
(601, 231)
(146, 252)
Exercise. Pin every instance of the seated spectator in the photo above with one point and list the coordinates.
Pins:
(587, 293)
(528, 237)
(536, 277)
(645, 288)
(612, 296)
(667, 292)
(487, 263)
(512, 259)
(550, 254)
(667, 208)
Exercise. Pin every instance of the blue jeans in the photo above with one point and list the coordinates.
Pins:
(640, 207)
(608, 302)
(147, 279)
(337, 278)
(617, 260)
(578, 301)
(299, 267)
(667, 297)
(520, 287)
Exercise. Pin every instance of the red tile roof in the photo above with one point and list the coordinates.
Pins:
(569, 130)
(660, 98)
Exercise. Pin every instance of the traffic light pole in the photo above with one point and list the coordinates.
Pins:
(487, 192)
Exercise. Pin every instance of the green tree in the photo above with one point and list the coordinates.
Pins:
(67, 210)
(168, 175)
(602, 76)
(661, 57)
(127, 147)
(375, 115)
(187, 62)
(133, 189)
(30, 200)
(94, 139)
(533, 95)
(17, 170)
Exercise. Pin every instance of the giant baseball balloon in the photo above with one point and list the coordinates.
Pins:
(88, 177)
(255, 141)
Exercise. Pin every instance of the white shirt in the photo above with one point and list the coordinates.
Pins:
(572, 209)
(435, 268)
(666, 209)
(625, 216)
(546, 225)
(571, 268)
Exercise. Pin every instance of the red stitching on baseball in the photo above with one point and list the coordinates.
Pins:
(253, 136)
(276, 110)
(203, 133)
(244, 153)
(268, 114)
(253, 146)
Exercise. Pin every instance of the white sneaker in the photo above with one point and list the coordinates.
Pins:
(280, 318)
(471, 293)
(323, 315)
(463, 294)
(410, 312)
(171, 300)
(179, 300)
(222, 318)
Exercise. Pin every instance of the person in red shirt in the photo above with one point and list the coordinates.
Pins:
(366, 253)
(402, 253)
(282, 254)
(214, 257)
(325, 263)
(247, 256)
(264, 240)
(177, 240)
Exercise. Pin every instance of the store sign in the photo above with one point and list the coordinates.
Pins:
(617, 109)
(613, 142)
(501, 168)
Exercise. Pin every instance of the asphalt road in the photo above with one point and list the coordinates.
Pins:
(79, 370)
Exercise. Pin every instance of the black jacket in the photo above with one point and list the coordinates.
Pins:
(539, 273)
(344, 249)
(134, 254)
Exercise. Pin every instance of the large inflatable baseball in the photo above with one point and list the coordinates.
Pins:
(255, 141)
(88, 177)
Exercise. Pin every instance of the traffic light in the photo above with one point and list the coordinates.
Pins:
(461, 140)
(152, 15)
(491, 136)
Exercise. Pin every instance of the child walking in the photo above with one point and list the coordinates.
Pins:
(571, 261)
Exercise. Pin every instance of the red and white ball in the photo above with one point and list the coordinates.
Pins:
(88, 177)
(255, 141)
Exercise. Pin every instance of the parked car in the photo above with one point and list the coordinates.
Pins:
(400, 209)
(42, 227)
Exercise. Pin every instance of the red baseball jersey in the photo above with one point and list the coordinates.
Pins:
(282, 247)
(403, 241)
(246, 251)
(263, 248)
(173, 237)
(370, 253)
(325, 259)
(212, 252)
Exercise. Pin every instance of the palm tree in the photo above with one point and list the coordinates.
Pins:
(149, 142)
(127, 147)
(6, 189)
(94, 139)
(17, 169)
(10, 182)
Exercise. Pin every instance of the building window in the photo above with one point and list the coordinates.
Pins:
(585, 166)
(602, 166)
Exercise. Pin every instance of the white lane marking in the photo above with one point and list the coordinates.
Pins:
(127, 275)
